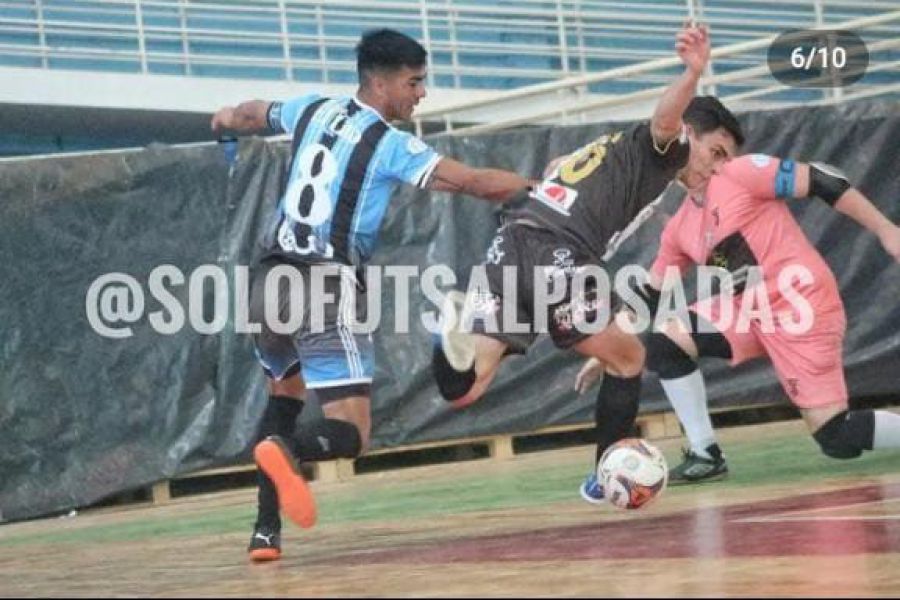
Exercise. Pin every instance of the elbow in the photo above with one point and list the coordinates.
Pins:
(665, 129)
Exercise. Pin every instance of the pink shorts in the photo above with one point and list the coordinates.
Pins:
(809, 365)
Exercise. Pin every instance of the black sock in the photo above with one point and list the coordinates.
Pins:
(279, 418)
(451, 383)
(616, 410)
(325, 439)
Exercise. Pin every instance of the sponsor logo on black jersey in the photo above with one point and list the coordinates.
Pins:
(558, 197)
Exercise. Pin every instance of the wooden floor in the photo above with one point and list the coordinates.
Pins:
(839, 537)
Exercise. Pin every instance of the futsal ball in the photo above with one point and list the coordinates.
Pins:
(632, 472)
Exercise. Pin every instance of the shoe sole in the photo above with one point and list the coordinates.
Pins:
(294, 496)
(457, 346)
(710, 479)
(265, 554)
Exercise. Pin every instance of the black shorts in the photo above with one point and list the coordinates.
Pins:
(538, 258)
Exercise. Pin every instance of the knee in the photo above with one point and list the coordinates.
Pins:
(634, 362)
(292, 387)
(847, 434)
(360, 442)
(666, 358)
(329, 438)
(349, 438)
(279, 416)
(628, 360)
(346, 419)
(364, 439)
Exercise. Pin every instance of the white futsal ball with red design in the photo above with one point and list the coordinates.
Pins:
(632, 473)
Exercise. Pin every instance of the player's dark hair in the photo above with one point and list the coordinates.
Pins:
(387, 50)
(707, 113)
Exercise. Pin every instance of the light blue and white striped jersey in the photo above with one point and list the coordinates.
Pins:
(346, 163)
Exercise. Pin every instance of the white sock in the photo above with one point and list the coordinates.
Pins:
(688, 397)
(887, 430)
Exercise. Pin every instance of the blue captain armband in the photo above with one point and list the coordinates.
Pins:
(784, 180)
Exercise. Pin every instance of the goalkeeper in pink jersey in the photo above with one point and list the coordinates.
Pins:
(739, 223)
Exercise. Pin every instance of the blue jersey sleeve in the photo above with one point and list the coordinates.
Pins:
(408, 158)
(283, 116)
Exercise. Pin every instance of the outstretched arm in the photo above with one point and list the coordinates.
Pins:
(494, 185)
(769, 178)
(832, 186)
(692, 46)
(247, 117)
(856, 206)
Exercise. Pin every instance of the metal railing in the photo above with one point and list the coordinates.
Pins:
(471, 45)
(545, 59)
(756, 77)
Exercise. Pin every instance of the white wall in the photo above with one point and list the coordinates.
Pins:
(91, 89)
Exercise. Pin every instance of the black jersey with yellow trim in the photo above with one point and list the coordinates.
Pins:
(599, 189)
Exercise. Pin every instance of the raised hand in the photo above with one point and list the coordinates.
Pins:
(693, 47)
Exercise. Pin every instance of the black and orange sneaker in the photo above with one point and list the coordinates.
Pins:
(265, 544)
(295, 499)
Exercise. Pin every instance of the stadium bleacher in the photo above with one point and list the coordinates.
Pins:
(472, 46)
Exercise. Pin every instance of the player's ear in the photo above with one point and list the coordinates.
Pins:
(689, 131)
(380, 85)
(376, 84)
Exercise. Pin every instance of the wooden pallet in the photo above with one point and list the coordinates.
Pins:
(499, 447)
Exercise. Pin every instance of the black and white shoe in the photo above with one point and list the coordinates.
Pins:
(696, 469)
(458, 346)
(265, 544)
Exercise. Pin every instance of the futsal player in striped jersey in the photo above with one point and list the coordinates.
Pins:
(347, 160)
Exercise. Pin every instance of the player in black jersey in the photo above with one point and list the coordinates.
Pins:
(572, 223)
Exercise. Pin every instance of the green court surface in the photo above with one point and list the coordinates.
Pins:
(774, 455)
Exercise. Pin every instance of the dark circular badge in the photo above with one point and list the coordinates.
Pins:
(818, 58)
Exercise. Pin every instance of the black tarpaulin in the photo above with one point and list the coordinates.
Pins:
(83, 416)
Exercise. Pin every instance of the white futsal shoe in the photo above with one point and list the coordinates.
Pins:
(457, 344)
